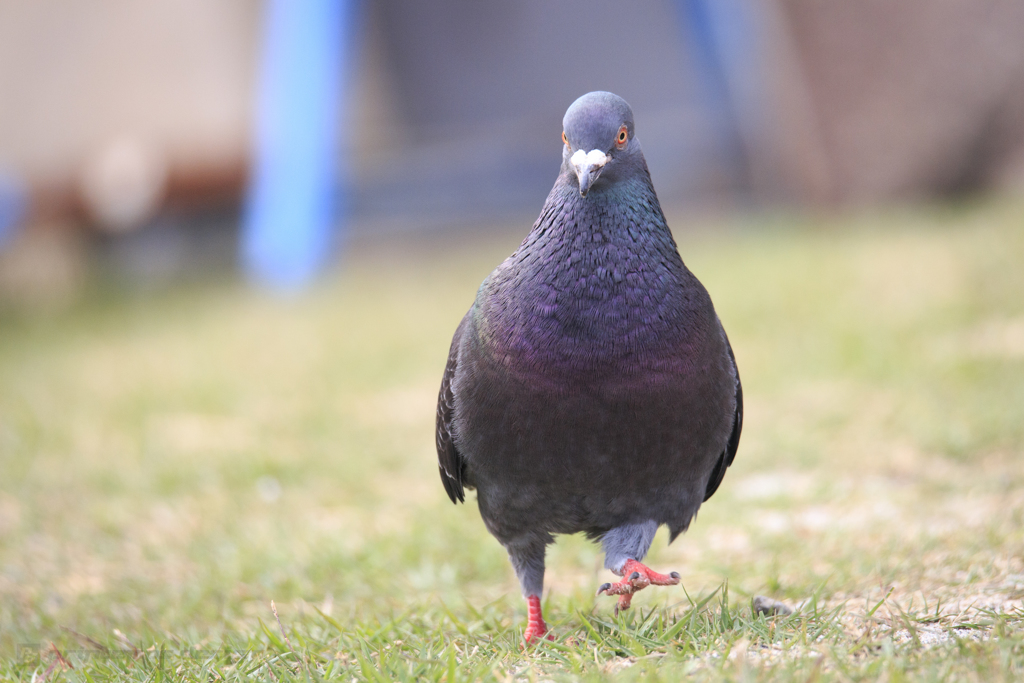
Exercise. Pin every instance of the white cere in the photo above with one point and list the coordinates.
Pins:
(595, 158)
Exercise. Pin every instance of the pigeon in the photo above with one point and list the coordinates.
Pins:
(591, 386)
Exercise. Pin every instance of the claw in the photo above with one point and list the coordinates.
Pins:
(639, 577)
(532, 635)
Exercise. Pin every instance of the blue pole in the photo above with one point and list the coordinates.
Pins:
(725, 40)
(13, 207)
(294, 207)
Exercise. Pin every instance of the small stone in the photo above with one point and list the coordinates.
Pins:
(769, 607)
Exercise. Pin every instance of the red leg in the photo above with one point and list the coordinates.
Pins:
(636, 577)
(535, 626)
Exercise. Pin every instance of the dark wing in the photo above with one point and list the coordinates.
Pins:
(451, 463)
(729, 454)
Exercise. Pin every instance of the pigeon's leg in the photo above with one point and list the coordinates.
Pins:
(624, 547)
(528, 561)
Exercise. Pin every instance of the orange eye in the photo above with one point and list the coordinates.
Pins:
(565, 139)
(620, 139)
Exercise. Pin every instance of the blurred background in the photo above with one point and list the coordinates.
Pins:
(178, 447)
(165, 138)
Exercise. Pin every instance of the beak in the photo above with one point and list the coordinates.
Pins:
(588, 167)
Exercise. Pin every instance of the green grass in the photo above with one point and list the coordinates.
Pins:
(170, 463)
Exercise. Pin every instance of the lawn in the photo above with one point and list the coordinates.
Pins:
(176, 465)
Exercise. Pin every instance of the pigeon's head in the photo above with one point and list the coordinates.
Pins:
(598, 134)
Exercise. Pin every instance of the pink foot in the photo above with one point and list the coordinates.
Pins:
(535, 626)
(636, 577)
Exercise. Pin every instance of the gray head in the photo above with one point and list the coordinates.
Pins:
(598, 134)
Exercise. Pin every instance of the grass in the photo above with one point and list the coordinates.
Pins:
(173, 462)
